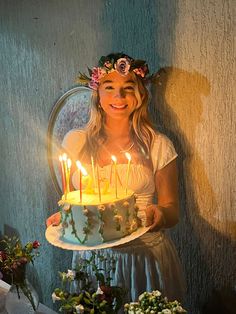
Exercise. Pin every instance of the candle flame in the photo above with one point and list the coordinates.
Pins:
(128, 156)
(81, 168)
(69, 163)
(84, 172)
(114, 158)
(78, 164)
(64, 157)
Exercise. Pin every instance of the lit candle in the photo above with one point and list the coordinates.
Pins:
(99, 188)
(79, 166)
(68, 175)
(115, 166)
(88, 182)
(63, 183)
(128, 156)
(64, 162)
(93, 171)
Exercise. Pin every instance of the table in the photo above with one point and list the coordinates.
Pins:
(4, 287)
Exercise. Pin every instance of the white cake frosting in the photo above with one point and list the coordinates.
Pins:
(92, 222)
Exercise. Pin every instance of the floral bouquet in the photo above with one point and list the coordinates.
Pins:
(13, 260)
(153, 303)
(78, 293)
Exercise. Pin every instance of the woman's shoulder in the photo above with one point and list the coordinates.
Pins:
(74, 135)
(162, 151)
(161, 139)
(73, 141)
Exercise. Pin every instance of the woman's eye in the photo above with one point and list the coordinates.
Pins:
(108, 87)
(131, 88)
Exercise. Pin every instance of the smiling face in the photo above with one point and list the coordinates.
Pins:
(118, 95)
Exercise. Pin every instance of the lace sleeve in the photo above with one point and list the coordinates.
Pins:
(163, 152)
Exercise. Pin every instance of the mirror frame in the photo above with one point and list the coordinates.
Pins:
(59, 104)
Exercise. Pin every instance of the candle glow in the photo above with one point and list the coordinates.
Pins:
(128, 156)
(63, 183)
(82, 172)
(114, 159)
(68, 163)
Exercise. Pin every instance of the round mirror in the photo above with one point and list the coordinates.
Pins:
(71, 111)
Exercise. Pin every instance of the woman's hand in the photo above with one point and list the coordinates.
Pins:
(154, 218)
(54, 219)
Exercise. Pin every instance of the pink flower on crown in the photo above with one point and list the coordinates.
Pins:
(142, 71)
(122, 66)
(97, 74)
(108, 65)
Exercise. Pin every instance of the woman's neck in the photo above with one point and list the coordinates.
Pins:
(116, 130)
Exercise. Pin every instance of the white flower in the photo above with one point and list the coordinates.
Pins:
(179, 309)
(166, 311)
(156, 293)
(70, 274)
(122, 66)
(117, 218)
(55, 297)
(79, 309)
(141, 296)
(99, 291)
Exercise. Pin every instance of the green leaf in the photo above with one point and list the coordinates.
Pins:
(87, 301)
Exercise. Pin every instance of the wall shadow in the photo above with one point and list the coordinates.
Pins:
(207, 254)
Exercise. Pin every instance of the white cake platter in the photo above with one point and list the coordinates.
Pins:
(53, 236)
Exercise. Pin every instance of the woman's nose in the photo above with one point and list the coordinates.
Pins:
(120, 93)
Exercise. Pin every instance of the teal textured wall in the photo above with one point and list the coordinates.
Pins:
(43, 46)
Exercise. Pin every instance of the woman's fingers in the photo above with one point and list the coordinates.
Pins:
(157, 220)
(154, 218)
(149, 215)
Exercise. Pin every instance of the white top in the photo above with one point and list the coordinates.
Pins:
(141, 178)
(149, 262)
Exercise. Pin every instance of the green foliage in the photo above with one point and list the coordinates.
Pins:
(86, 298)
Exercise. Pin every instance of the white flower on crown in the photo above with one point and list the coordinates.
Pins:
(122, 66)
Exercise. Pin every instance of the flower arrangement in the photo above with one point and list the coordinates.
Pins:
(153, 303)
(13, 260)
(119, 62)
(78, 293)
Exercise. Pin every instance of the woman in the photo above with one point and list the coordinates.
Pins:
(119, 123)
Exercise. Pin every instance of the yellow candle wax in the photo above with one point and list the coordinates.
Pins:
(128, 156)
(114, 159)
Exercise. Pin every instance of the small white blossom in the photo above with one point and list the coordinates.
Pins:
(141, 296)
(70, 274)
(156, 293)
(55, 297)
(79, 309)
(179, 309)
(99, 291)
(166, 311)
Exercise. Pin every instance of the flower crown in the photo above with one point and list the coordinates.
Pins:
(119, 62)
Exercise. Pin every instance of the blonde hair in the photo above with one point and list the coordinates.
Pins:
(141, 129)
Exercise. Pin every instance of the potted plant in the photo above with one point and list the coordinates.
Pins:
(89, 292)
(13, 260)
(153, 303)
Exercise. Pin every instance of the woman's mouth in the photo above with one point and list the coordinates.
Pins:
(118, 107)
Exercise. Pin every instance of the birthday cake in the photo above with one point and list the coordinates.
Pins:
(94, 221)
